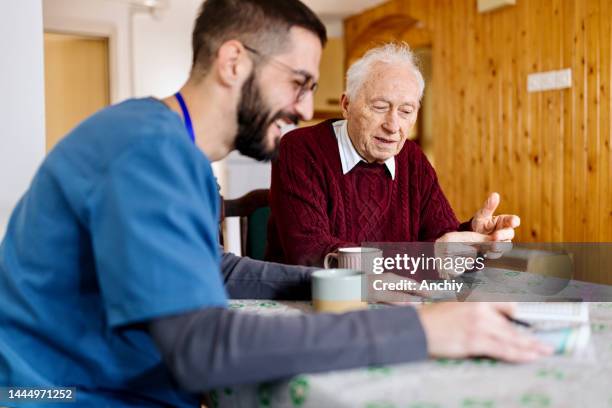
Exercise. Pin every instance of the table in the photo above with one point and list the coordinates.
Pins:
(477, 383)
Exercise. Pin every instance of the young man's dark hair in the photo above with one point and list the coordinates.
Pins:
(261, 24)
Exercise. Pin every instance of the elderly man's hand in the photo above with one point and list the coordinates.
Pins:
(468, 244)
(499, 227)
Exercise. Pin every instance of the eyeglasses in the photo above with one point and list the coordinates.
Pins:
(306, 84)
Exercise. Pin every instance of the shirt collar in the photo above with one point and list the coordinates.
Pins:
(348, 154)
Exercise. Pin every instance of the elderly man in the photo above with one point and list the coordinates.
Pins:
(340, 183)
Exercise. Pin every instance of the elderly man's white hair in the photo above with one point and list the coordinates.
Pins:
(391, 53)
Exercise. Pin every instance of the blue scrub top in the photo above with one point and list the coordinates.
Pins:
(118, 227)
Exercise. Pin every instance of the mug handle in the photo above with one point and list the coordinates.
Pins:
(326, 260)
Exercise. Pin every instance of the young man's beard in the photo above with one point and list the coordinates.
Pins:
(254, 118)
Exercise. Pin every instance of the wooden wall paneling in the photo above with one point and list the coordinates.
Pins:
(570, 55)
(592, 141)
(521, 135)
(580, 116)
(593, 174)
(503, 133)
(461, 123)
(531, 52)
(469, 136)
(538, 130)
(417, 36)
(510, 118)
(579, 125)
(549, 131)
(495, 133)
(557, 107)
(441, 72)
(605, 232)
(548, 153)
(457, 124)
(379, 32)
(545, 148)
(487, 108)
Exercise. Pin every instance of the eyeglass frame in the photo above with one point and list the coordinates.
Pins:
(308, 84)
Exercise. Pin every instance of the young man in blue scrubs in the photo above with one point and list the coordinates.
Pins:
(110, 274)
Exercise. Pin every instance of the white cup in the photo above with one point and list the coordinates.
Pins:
(337, 290)
(358, 258)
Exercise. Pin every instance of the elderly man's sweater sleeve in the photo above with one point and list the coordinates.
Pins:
(298, 201)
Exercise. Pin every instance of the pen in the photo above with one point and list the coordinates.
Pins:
(518, 322)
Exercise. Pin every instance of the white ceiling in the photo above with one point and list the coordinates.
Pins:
(340, 8)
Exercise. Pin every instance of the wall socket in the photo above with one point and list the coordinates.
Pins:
(549, 80)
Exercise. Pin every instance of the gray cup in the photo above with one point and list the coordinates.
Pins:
(337, 290)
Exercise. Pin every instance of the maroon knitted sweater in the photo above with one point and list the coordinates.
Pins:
(316, 209)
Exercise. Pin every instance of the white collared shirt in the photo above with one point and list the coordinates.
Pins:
(348, 155)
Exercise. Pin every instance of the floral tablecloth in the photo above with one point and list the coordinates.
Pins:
(478, 383)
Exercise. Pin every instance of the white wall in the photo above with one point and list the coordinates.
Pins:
(22, 110)
(162, 48)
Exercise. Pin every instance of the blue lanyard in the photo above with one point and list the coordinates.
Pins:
(186, 115)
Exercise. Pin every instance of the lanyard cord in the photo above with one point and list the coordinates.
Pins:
(186, 116)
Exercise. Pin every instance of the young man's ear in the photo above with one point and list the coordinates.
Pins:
(233, 65)
(344, 103)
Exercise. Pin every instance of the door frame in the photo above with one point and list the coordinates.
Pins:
(92, 29)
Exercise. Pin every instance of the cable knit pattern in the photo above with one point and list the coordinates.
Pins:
(316, 209)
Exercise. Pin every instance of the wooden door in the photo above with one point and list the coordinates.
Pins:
(76, 81)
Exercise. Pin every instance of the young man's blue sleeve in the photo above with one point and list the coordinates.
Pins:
(154, 223)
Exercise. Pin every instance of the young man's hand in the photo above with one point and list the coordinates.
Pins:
(458, 330)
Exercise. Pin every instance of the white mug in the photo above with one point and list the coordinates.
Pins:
(357, 258)
(337, 290)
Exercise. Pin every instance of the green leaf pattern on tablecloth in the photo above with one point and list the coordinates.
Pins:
(552, 373)
(535, 282)
(442, 383)
(379, 371)
(298, 390)
(264, 395)
(599, 327)
(511, 274)
(236, 305)
(379, 405)
(268, 304)
(477, 403)
(449, 362)
(484, 362)
(534, 400)
(214, 398)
